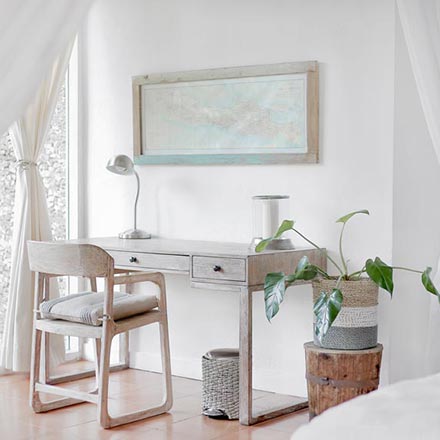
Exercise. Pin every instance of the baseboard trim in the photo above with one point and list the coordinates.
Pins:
(185, 367)
(273, 379)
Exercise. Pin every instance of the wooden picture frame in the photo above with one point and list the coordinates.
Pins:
(266, 114)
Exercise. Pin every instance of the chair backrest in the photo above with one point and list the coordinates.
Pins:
(84, 260)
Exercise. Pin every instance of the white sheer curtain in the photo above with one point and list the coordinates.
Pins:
(421, 27)
(31, 218)
(32, 34)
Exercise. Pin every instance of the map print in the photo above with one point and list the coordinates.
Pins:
(265, 114)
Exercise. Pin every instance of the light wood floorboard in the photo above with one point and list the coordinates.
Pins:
(129, 390)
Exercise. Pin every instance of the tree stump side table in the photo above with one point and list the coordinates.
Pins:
(335, 376)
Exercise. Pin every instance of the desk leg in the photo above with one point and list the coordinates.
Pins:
(124, 341)
(247, 415)
(245, 356)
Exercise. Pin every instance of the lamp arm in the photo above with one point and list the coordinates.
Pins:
(137, 198)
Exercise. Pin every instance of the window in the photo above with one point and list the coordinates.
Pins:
(7, 194)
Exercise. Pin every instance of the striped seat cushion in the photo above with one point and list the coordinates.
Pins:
(88, 307)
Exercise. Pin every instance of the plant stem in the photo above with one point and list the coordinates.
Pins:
(406, 268)
(359, 272)
(344, 264)
(319, 249)
(322, 272)
(338, 282)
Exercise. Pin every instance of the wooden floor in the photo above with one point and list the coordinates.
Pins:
(130, 390)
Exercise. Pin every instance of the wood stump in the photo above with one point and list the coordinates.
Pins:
(335, 376)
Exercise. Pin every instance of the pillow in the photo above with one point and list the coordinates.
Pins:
(88, 307)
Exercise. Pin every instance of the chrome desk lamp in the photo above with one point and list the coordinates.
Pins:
(124, 166)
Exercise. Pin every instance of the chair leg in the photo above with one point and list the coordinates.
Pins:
(97, 362)
(46, 358)
(37, 405)
(35, 401)
(104, 368)
(105, 419)
(166, 364)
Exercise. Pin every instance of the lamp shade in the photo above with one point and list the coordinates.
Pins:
(124, 166)
(121, 164)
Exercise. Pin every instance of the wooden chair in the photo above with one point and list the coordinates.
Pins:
(82, 260)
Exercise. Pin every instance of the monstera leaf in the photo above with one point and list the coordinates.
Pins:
(285, 226)
(275, 284)
(346, 217)
(380, 273)
(326, 310)
(304, 271)
(427, 282)
(274, 289)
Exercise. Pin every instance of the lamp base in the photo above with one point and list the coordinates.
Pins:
(134, 234)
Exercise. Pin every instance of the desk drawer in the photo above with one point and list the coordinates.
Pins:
(218, 268)
(161, 262)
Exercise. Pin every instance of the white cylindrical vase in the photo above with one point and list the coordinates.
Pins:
(268, 211)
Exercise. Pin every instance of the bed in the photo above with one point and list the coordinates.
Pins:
(406, 410)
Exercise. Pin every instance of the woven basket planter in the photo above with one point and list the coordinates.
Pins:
(221, 384)
(355, 328)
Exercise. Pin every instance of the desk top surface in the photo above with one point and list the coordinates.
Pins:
(175, 247)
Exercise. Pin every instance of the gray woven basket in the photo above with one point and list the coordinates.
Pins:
(355, 328)
(220, 372)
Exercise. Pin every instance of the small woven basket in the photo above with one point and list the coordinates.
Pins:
(220, 372)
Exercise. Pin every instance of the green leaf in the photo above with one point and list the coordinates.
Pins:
(290, 279)
(262, 244)
(274, 289)
(380, 273)
(319, 303)
(285, 226)
(304, 270)
(326, 309)
(427, 282)
(303, 263)
(345, 218)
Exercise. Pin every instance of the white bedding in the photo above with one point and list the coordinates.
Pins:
(408, 410)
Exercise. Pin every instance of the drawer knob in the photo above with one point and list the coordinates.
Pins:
(217, 268)
(133, 259)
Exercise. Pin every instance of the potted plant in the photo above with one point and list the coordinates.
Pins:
(345, 306)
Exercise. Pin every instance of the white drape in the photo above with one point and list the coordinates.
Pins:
(31, 218)
(420, 21)
(32, 34)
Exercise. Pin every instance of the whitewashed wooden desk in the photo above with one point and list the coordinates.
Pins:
(218, 266)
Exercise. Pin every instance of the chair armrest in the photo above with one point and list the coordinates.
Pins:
(154, 277)
(118, 271)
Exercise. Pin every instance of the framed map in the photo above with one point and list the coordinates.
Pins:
(247, 115)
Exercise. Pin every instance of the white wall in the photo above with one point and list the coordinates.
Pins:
(416, 219)
(354, 43)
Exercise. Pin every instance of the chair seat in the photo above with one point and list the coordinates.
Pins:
(88, 307)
